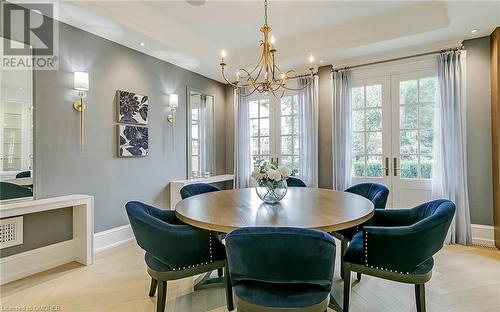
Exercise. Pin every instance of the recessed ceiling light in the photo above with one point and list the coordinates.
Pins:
(474, 31)
(321, 61)
(20, 89)
(142, 44)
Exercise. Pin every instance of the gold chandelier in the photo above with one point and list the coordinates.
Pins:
(266, 76)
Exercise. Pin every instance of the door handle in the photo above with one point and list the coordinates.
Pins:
(395, 167)
(386, 168)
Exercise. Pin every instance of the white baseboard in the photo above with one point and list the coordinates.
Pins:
(113, 237)
(37, 260)
(483, 235)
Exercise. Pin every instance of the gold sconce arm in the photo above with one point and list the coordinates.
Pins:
(80, 107)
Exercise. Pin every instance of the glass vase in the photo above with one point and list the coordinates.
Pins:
(271, 192)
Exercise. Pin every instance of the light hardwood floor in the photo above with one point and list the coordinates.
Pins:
(465, 279)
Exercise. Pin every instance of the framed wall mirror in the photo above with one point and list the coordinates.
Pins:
(16, 132)
(201, 134)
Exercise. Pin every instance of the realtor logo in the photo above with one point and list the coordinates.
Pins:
(30, 36)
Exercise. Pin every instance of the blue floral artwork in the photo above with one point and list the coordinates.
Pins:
(132, 108)
(133, 141)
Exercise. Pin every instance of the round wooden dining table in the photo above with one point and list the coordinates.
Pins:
(302, 207)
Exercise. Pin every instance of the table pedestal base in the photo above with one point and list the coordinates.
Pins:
(205, 281)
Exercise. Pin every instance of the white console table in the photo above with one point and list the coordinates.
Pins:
(175, 186)
(80, 248)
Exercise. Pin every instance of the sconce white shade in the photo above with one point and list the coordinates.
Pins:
(81, 81)
(173, 100)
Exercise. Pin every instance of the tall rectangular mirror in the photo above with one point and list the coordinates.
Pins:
(201, 134)
(16, 132)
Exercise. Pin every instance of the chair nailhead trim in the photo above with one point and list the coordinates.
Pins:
(210, 255)
(371, 266)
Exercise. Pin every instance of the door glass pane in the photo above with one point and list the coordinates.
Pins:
(295, 124)
(374, 166)
(427, 90)
(408, 92)
(358, 97)
(358, 166)
(374, 142)
(286, 161)
(254, 146)
(374, 96)
(264, 146)
(408, 117)
(286, 145)
(358, 143)
(358, 120)
(409, 143)
(286, 105)
(254, 109)
(264, 126)
(296, 145)
(426, 140)
(374, 119)
(425, 167)
(426, 116)
(254, 127)
(264, 108)
(286, 125)
(409, 167)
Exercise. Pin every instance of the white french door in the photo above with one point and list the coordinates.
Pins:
(274, 130)
(393, 134)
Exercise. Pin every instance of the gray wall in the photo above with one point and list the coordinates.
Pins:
(479, 169)
(61, 169)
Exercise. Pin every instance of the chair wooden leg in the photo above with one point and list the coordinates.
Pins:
(162, 296)
(229, 289)
(152, 288)
(347, 286)
(358, 276)
(420, 297)
(343, 249)
(219, 272)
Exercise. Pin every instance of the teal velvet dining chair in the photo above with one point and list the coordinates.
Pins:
(280, 269)
(377, 194)
(295, 182)
(174, 249)
(398, 245)
(197, 189)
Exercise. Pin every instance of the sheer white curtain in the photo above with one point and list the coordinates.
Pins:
(342, 129)
(450, 166)
(242, 168)
(308, 121)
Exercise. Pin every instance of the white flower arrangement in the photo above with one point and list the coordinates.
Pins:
(270, 172)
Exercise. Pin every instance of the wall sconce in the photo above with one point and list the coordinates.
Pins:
(81, 84)
(173, 103)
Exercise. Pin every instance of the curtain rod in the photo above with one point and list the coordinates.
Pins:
(461, 47)
(301, 76)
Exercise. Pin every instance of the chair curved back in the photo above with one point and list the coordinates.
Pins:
(196, 189)
(295, 182)
(281, 255)
(376, 193)
(11, 191)
(169, 240)
(23, 174)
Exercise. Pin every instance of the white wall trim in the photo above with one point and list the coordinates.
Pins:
(113, 237)
(483, 235)
(37, 260)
